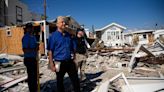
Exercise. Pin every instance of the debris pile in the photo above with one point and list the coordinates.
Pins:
(107, 70)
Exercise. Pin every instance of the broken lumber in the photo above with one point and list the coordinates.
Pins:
(104, 86)
(133, 58)
(6, 86)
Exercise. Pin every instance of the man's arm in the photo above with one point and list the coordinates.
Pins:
(74, 44)
(52, 65)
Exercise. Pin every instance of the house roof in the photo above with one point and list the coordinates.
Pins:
(112, 24)
(138, 32)
(142, 31)
(159, 31)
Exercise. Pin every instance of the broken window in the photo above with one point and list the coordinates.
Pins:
(8, 32)
(19, 15)
(144, 36)
(1, 11)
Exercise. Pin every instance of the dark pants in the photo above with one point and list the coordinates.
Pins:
(31, 65)
(70, 68)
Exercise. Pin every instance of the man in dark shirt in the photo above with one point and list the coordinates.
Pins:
(61, 48)
(30, 49)
(81, 49)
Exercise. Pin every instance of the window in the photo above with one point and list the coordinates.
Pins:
(2, 2)
(72, 26)
(18, 15)
(108, 36)
(8, 32)
(113, 28)
(0, 11)
(117, 35)
(144, 36)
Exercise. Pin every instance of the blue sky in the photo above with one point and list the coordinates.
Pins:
(133, 14)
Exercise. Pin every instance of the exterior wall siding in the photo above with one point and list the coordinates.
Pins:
(15, 10)
(12, 44)
(115, 37)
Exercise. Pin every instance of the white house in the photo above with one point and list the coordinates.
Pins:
(139, 37)
(158, 33)
(111, 35)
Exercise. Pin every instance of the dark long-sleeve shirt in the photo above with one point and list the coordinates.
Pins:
(81, 46)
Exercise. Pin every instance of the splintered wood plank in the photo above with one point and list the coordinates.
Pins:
(6, 86)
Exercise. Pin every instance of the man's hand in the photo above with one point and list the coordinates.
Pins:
(52, 67)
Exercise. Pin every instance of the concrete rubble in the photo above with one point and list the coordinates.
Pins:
(106, 71)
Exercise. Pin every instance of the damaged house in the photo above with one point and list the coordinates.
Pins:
(111, 35)
(134, 38)
(139, 37)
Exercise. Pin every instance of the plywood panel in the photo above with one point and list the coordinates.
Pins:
(0, 40)
(12, 44)
(150, 39)
(3, 47)
(15, 40)
(135, 39)
(41, 48)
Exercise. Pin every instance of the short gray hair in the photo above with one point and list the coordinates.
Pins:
(60, 17)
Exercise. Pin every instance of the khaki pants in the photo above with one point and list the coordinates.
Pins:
(80, 61)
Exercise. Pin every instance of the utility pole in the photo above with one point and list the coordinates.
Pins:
(45, 10)
(93, 29)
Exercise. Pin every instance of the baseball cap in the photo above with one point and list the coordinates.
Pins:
(28, 25)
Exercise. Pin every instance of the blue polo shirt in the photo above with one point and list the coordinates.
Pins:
(29, 41)
(62, 46)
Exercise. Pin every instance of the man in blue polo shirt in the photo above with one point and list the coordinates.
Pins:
(61, 48)
(30, 49)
